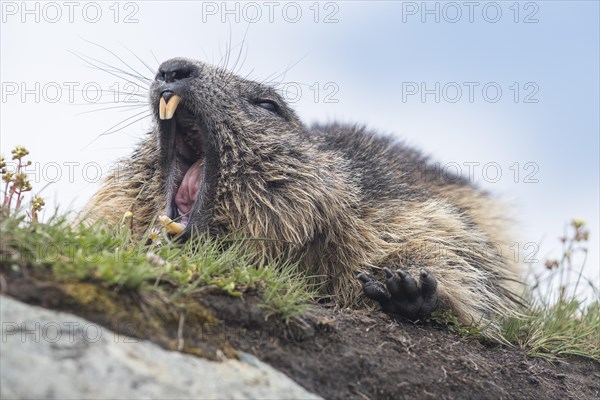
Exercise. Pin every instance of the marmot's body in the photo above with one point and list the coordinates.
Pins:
(232, 157)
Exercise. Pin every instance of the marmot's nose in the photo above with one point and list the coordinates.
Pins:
(175, 70)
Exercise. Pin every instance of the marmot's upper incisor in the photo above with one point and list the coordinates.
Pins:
(228, 155)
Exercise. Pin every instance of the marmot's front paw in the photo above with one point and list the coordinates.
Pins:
(403, 296)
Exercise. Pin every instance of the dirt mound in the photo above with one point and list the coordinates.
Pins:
(336, 354)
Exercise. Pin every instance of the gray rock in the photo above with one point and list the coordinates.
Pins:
(49, 354)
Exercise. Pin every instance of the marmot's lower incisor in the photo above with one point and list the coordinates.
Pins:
(228, 155)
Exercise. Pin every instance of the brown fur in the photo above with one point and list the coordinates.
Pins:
(337, 199)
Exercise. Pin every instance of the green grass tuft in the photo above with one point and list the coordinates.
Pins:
(112, 258)
(567, 328)
(450, 321)
(560, 323)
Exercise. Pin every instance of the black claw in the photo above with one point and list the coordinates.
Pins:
(409, 285)
(373, 289)
(428, 284)
(364, 278)
(393, 283)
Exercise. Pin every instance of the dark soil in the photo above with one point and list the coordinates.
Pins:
(336, 354)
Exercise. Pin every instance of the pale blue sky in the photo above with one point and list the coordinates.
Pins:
(368, 57)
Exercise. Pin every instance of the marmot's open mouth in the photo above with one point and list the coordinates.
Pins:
(186, 172)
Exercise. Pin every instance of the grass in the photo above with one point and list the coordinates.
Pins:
(113, 259)
(563, 329)
(559, 322)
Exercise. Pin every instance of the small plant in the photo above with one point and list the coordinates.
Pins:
(574, 251)
(560, 322)
(16, 184)
(451, 322)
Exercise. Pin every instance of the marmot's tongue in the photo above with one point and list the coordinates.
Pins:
(188, 190)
